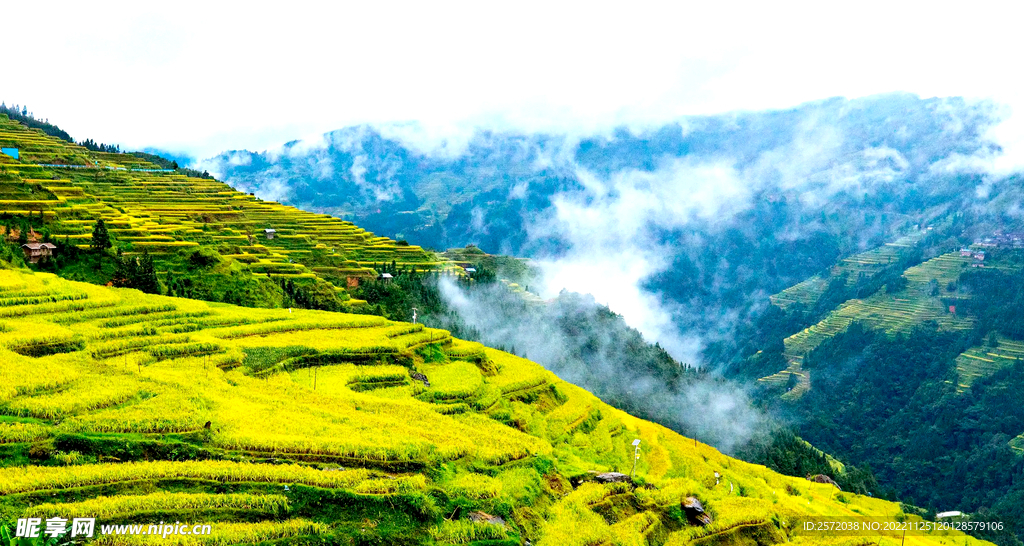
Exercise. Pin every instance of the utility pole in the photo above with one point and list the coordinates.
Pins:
(636, 457)
(414, 315)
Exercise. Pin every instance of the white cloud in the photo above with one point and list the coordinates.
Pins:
(274, 189)
(613, 249)
(205, 77)
(1009, 135)
(614, 226)
(358, 169)
(437, 140)
(237, 159)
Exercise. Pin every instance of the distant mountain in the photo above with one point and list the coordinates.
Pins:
(377, 176)
(718, 211)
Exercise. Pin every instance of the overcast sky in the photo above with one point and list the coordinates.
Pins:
(201, 78)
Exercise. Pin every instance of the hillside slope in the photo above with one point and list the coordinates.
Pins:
(63, 189)
(893, 310)
(917, 376)
(278, 425)
(773, 197)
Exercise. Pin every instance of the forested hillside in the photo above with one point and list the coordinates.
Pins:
(857, 308)
(917, 379)
(713, 213)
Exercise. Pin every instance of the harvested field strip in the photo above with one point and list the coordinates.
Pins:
(18, 480)
(131, 505)
(983, 361)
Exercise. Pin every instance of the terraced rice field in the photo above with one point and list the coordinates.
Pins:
(869, 263)
(307, 425)
(281, 426)
(891, 313)
(1017, 443)
(979, 362)
(163, 213)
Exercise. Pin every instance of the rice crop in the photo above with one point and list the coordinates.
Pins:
(122, 506)
(42, 478)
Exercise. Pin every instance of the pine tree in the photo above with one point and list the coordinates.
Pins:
(100, 236)
(169, 281)
(23, 233)
(145, 277)
(136, 272)
(124, 271)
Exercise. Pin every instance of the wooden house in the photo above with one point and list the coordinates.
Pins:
(36, 251)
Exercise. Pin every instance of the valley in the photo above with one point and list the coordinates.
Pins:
(287, 421)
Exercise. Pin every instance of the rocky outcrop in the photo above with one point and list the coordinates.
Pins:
(821, 478)
(694, 511)
(420, 377)
(484, 517)
(611, 477)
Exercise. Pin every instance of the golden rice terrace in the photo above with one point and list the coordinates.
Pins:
(159, 212)
(347, 429)
(282, 426)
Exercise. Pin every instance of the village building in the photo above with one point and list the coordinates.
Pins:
(385, 277)
(36, 251)
(999, 239)
(270, 233)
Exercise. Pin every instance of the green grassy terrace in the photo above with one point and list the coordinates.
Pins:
(892, 312)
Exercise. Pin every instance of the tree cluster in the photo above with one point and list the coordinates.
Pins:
(311, 294)
(136, 272)
(90, 144)
(100, 236)
(23, 116)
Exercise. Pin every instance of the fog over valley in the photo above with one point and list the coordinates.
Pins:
(512, 274)
(650, 222)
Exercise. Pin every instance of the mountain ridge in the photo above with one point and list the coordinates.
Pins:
(773, 198)
(175, 339)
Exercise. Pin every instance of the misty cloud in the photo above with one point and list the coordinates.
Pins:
(613, 247)
(615, 227)
(714, 410)
(642, 208)
(683, 229)
(448, 141)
